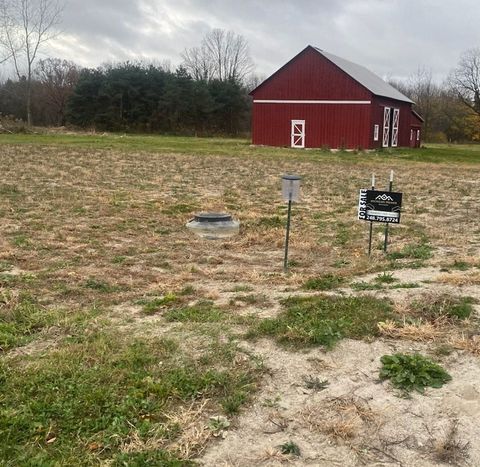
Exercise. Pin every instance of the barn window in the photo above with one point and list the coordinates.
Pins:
(411, 135)
(418, 135)
(376, 129)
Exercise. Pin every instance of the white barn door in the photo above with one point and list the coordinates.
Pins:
(298, 134)
(386, 127)
(396, 118)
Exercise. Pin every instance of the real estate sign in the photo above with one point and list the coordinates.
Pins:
(380, 206)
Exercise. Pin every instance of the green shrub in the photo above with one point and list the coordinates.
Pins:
(412, 372)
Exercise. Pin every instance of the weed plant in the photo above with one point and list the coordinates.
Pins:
(412, 372)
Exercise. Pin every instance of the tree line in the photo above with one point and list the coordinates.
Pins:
(451, 110)
(207, 94)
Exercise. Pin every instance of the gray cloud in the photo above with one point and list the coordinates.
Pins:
(391, 37)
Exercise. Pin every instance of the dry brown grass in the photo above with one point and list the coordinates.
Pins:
(343, 418)
(72, 215)
(460, 279)
(420, 331)
(450, 449)
(469, 344)
(192, 440)
(274, 455)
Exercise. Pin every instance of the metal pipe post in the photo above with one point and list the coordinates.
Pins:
(285, 261)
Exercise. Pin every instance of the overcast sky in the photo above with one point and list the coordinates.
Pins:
(393, 38)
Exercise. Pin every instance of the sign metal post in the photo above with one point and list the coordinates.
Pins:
(290, 194)
(371, 223)
(379, 206)
(390, 188)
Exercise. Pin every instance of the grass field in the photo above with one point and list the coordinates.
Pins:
(124, 340)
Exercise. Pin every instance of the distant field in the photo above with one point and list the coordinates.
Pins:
(126, 341)
(468, 153)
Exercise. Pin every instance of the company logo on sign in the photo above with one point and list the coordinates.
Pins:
(384, 197)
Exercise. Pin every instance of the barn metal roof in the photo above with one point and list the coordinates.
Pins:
(365, 77)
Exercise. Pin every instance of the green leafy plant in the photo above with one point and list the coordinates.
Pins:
(290, 448)
(412, 372)
(218, 423)
(385, 278)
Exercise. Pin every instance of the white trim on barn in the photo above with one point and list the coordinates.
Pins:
(386, 127)
(298, 134)
(396, 117)
(290, 101)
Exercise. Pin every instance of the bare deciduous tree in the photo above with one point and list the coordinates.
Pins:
(222, 55)
(26, 26)
(465, 79)
(58, 78)
(424, 92)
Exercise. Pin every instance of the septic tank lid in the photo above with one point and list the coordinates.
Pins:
(213, 217)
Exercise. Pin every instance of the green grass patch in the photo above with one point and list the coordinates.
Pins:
(421, 251)
(150, 307)
(324, 321)
(362, 285)
(22, 319)
(434, 153)
(412, 372)
(180, 208)
(431, 308)
(100, 286)
(272, 222)
(87, 400)
(21, 241)
(343, 235)
(202, 312)
(326, 282)
(459, 266)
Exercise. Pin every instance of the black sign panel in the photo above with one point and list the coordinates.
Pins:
(380, 206)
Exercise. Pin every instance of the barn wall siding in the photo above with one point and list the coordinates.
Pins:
(378, 104)
(329, 125)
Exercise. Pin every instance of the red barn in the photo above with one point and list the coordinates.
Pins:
(320, 100)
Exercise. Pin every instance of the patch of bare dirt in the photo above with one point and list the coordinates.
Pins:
(356, 420)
